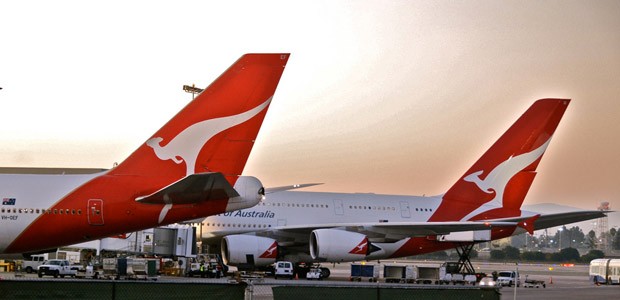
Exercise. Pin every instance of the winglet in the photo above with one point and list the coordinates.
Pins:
(528, 224)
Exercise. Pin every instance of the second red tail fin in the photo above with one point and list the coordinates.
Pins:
(496, 185)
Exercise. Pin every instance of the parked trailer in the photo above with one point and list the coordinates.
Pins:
(399, 273)
(430, 273)
(130, 268)
(605, 271)
(359, 271)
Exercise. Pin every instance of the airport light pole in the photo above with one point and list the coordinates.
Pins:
(560, 244)
(193, 90)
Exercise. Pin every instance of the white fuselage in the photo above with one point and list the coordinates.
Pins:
(316, 209)
(27, 196)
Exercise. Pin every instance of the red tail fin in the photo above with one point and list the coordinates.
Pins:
(216, 131)
(496, 185)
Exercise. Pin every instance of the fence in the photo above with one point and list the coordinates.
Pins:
(223, 290)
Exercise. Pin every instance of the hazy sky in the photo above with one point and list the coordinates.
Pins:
(397, 97)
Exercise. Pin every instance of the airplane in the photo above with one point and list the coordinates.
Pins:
(190, 168)
(484, 204)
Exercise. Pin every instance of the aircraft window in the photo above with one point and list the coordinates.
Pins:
(3, 210)
(37, 210)
(269, 225)
(55, 211)
(326, 206)
(67, 211)
(430, 209)
(79, 211)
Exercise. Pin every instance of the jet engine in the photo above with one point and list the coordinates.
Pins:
(338, 245)
(250, 190)
(249, 250)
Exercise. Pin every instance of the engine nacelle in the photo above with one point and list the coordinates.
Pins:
(250, 190)
(338, 245)
(242, 249)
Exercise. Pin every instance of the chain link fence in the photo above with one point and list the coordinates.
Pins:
(223, 289)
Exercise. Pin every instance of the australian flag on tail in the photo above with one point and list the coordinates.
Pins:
(8, 201)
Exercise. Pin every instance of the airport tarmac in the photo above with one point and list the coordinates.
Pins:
(563, 282)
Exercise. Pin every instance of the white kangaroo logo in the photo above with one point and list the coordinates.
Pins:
(269, 251)
(186, 146)
(497, 180)
(359, 248)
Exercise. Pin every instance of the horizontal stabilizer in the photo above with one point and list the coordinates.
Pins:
(553, 220)
(193, 188)
(289, 187)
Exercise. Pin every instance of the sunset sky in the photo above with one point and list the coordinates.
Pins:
(395, 97)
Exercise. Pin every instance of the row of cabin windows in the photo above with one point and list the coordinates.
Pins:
(233, 225)
(424, 209)
(41, 211)
(371, 207)
(294, 205)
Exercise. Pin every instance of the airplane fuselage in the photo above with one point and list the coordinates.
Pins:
(36, 206)
(303, 210)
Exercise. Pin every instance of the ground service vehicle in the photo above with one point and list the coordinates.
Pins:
(31, 265)
(508, 278)
(531, 283)
(56, 267)
(399, 273)
(315, 273)
(359, 271)
(605, 271)
(283, 269)
(487, 281)
(430, 273)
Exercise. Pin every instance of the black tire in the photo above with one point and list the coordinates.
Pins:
(29, 269)
(40, 274)
(325, 272)
(55, 274)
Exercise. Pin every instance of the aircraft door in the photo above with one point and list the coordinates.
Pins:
(338, 207)
(95, 212)
(404, 209)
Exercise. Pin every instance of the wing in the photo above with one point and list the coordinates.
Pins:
(288, 187)
(380, 231)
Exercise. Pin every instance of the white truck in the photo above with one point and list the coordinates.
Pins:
(508, 278)
(283, 269)
(56, 267)
(35, 261)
